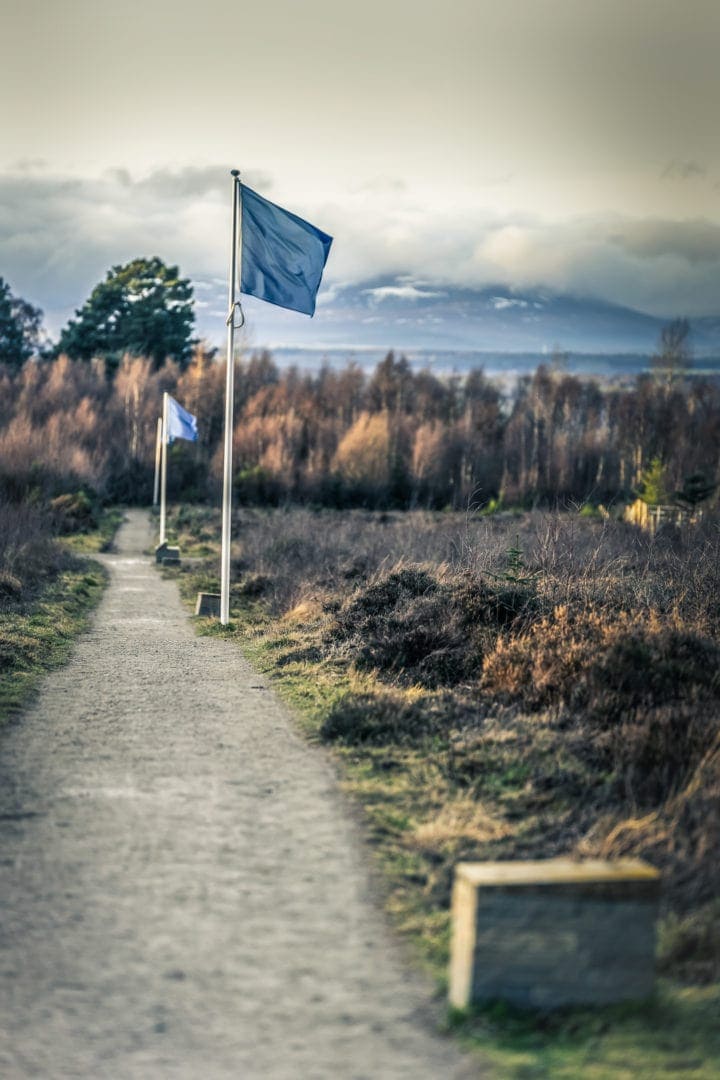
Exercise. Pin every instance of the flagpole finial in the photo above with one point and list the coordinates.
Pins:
(234, 172)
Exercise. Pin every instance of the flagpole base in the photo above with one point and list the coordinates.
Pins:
(166, 555)
(208, 605)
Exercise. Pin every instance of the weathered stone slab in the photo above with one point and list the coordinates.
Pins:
(553, 932)
(208, 604)
(163, 552)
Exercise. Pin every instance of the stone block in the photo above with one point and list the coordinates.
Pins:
(164, 552)
(553, 932)
(208, 605)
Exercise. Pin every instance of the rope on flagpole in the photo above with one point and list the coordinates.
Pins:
(231, 316)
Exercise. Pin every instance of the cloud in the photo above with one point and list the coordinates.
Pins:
(192, 181)
(694, 241)
(501, 303)
(401, 292)
(59, 235)
(381, 185)
(661, 267)
(682, 170)
(30, 164)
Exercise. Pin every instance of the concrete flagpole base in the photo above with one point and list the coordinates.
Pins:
(208, 605)
(167, 555)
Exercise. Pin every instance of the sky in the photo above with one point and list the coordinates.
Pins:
(570, 144)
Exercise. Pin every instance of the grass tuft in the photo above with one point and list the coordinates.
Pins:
(46, 594)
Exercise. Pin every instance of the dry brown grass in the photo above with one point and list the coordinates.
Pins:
(460, 820)
(29, 553)
(607, 662)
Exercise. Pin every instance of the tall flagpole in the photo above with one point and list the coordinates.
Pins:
(163, 470)
(235, 256)
(158, 452)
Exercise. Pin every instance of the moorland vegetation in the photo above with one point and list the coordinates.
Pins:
(507, 686)
(561, 674)
(432, 570)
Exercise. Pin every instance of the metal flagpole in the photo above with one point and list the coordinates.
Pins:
(158, 452)
(235, 259)
(163, 470)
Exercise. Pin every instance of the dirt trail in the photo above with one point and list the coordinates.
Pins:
(182, 894)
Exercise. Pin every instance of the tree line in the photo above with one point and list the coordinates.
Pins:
(82, 412)
(393, 437)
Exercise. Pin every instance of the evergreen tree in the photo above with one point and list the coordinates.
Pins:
(144, 308)
(19, 328)
(697, 487)
(653, 484)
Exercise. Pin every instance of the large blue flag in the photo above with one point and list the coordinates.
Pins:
(181, 423)
(283, 257)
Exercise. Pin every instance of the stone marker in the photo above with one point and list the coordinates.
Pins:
(165, 553)
(208, 604)
(553, 932)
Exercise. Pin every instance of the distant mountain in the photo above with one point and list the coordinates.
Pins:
(411, 315)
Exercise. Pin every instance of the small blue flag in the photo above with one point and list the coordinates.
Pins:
(180, 423)
(283, 257)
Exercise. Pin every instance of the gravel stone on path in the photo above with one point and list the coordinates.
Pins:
(183, 893)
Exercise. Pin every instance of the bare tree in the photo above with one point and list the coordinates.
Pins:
(674, 356)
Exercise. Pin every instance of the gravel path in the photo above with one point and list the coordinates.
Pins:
(183, 894)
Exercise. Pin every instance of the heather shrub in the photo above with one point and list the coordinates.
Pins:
(74, 512)
(10, 586)
(251, 586)
(689, 835)
(607, 663)
(690, 946)
(29, 552)
(644, 695)
(678, 832)
(433, 629)
(653, 751)
(373, 602)
(651, 667)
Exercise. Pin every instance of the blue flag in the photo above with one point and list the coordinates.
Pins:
(181, 423)
(283, 257)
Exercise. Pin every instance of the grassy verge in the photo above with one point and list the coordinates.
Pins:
(39, 634)
(450, 761)
(100, 538)
(47, 592)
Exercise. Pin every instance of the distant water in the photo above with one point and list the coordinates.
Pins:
(494, 364)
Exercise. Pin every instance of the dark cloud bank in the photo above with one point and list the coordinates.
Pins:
(60, 234)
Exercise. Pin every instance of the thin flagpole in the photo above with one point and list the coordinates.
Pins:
(163, 470)
(158, 453)
(235, 258)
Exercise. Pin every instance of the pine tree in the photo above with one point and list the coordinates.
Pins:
(144, 308)
(19, 328)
